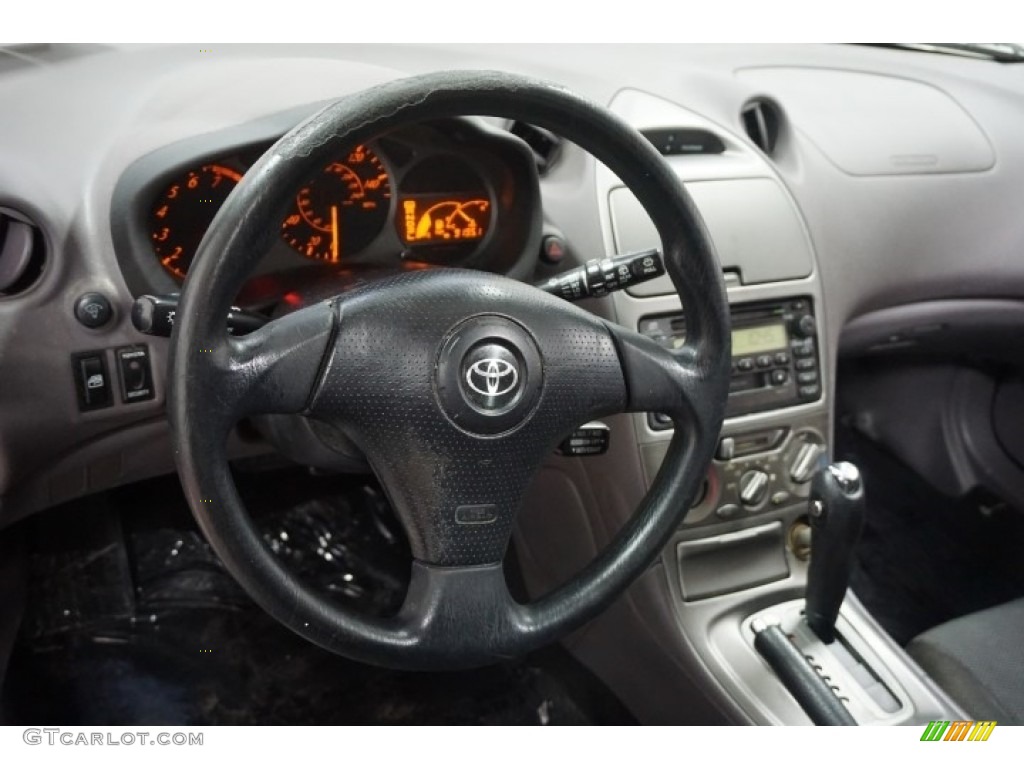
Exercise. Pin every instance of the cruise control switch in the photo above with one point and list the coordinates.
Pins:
(602, 276)
(837, 519)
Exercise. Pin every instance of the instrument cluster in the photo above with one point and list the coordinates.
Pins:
(454, 193)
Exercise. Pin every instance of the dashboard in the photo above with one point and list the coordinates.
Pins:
(120, 157)
(859, 198)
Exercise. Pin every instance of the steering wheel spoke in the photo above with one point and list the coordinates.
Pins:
(673, 382)
(276, 368)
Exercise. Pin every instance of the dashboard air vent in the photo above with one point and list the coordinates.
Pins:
(684, 141)
(544, 143)
(761, 119)
(21, 252)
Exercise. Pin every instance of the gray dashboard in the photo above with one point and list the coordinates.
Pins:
(915, 197)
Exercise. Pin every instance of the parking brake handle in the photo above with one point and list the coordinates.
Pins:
(837, 519)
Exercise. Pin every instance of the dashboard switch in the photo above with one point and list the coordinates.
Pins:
(91, 380)
(93, 310)
(552, 249)
(726, 449)
(136, 374)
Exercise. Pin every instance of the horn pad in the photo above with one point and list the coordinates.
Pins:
(489, 375)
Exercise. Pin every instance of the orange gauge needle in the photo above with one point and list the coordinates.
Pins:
(334, 232)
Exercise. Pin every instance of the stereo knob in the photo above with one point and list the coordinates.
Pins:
(753, 487)
(805, 326)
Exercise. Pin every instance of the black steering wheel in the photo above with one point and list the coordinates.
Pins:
(456, 385)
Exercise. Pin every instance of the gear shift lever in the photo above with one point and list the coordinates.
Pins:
(837, 518)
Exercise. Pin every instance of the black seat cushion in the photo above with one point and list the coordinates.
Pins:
(979, 660)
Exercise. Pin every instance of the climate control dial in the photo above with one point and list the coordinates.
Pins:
(753, 487)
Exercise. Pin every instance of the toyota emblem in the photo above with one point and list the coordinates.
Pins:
(492, 377)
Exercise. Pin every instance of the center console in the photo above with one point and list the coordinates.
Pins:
(738, 562)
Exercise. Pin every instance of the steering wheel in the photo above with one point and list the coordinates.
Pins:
(456, 385)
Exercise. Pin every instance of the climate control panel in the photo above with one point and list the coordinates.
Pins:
(761, 470)
(756, 470)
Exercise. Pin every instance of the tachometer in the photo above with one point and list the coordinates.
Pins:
(184, 211)
(342, 210)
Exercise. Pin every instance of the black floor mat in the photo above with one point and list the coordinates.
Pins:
(133, 621)
(925, 558)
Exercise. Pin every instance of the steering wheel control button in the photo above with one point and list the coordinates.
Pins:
(91, 380)
(93, 310)
(592, 439)
(489, 375)
(136, 374)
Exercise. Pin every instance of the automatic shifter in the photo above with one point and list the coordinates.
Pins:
(837, 518)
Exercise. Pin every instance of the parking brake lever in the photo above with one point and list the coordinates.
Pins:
(837, 519)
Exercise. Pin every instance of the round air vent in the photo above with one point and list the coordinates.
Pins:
(22, 252)
(762, 120)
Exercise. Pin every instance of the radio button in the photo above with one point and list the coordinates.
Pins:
(745, 364)
(807, 377)
(809, 391)
(805, 364)
(764, 361)
(781, 358)
(803, 348)
(805, 326)
(780, 376)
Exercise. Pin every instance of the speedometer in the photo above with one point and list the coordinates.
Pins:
(342, 210)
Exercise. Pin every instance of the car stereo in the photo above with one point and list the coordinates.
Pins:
(774, 354)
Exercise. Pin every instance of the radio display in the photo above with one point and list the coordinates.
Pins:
(759, 338)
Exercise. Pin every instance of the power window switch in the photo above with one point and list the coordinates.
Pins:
(91, 380)
(136, 373)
